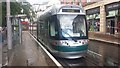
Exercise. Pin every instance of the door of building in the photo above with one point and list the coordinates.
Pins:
(110, 26)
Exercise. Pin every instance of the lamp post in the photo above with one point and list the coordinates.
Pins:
(9, 29)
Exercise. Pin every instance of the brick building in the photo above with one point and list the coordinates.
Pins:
(78, 2)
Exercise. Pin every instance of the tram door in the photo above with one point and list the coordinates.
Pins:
(110, 26)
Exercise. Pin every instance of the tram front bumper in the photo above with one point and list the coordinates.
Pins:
(71, 55)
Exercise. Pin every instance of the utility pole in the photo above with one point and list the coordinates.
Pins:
(9, 29)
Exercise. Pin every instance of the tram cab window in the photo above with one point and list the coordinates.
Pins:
(79, 27)
(72, 25)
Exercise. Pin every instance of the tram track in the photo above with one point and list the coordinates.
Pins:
(70, 63)
(75, 63)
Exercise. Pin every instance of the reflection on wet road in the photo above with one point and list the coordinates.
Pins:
(106, 53)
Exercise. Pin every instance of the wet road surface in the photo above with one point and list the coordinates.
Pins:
(106, 53)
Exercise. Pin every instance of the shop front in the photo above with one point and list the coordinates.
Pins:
(112, 17)
(118, 21)
(93, 19)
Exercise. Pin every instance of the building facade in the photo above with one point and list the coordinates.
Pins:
(103, 16)
(78, 2)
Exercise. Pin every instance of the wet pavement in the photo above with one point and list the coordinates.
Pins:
(104, 37)
(27, 54)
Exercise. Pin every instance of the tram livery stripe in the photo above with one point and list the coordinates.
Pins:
(54, 60)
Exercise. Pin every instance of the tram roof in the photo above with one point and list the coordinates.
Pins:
(55, 9)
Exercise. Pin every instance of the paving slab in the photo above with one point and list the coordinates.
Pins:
(27, 54)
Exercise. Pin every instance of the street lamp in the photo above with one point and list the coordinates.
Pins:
(9, 29)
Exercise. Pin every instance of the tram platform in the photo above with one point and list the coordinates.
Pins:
(27, 53)
(109, 38)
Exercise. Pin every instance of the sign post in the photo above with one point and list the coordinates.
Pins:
(20, 31)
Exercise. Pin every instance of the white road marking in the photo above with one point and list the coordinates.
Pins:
(104, 40)
(94, 53)
(54, 60)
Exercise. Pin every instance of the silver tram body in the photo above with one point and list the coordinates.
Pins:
(63, 31)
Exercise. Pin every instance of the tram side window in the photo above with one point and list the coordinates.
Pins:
(52, 28)
(41, 27)
(38, 27)
(46, 24)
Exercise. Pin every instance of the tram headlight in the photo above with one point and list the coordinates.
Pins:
(54, 43)
(85, 41)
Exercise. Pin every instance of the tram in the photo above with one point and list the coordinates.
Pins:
(63, 31)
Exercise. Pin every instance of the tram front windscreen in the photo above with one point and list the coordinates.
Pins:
(72, 25)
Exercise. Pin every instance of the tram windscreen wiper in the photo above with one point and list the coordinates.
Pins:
(69, 36)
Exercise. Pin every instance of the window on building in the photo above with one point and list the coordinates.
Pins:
(93, 22)
(88, 1)
(118, 22)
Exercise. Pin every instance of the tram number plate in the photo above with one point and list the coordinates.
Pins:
(75, 44)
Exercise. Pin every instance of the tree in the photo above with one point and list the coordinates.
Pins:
(16, 8)
(28, 11)
(3, 14)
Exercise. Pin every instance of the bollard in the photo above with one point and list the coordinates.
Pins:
(29, 61)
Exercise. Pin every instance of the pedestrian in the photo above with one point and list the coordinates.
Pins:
(98, 25)
(118, 27)
(0, 29)
(0, 35)
(4, 34)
